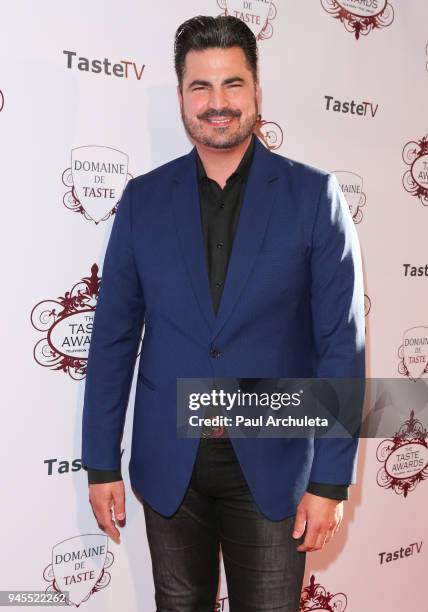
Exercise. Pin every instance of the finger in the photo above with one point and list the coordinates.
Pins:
(310, 539)
(320, 541)
(299, 524)
(103, 515)
(119, 504)
(107, 524)
(330, 534)
(334, 530)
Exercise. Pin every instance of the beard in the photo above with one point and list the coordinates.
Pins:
(220, 139)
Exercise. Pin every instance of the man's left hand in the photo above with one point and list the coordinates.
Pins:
(321, 516)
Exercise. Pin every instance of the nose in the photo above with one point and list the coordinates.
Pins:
(218, 98)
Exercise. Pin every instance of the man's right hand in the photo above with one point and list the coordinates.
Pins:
(104, 498)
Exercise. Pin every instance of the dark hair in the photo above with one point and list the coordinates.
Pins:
(204, 32)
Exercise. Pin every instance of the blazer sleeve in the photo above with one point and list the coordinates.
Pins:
(331, 491)
(117, 328)
(104, 476)
(337, 302)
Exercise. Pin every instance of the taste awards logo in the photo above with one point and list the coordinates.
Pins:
(316, 598)
(404, 458)
(96, 178)
(270, 133)
(257, 14)
(79, 567)
(360, 17)
(66, 323)
(415, 179)
(351, 185)
(414, 353)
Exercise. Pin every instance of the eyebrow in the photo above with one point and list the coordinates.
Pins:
(234, 79)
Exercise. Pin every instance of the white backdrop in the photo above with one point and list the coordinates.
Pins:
(311, 64)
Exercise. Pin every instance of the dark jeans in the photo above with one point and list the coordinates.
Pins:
(263, 569)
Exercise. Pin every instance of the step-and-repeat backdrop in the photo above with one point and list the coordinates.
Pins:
(88, 100)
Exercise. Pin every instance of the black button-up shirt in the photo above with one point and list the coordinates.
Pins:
(219, 215)
(220, 210)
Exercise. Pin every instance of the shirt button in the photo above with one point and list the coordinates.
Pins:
(219, 283)
(215, 352)
(221, 204)
(219, 244)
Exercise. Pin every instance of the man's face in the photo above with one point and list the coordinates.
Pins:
(219, 100)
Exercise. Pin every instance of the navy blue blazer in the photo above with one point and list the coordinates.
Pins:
(292, 306)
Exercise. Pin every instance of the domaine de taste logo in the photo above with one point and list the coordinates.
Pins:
(404, 458)
(257, 14)
(79, 566)
(96, 178)
(414, 353)
(360, 17)
(351, 185)
(66, 323)
(415, 179)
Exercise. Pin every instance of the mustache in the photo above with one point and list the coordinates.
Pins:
(224, 112)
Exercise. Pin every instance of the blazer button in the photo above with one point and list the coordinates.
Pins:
(215, 352)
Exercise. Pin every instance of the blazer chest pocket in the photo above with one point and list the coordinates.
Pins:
(145, 381)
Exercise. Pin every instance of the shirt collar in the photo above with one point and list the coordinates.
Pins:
(241, 170)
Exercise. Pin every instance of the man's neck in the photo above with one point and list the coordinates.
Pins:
(219, 164)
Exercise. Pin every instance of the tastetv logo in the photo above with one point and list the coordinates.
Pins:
(414, 353)
(56, 466)
(124, 69)
(316, 598)
(79, 567)
(404, 458)
(270, 133)
(351, 185)
(401, 553)
(410, 270)
(257, 14)
(360, 17)
(362, 109)
(97, 178)
(415, 179)
(66, 323)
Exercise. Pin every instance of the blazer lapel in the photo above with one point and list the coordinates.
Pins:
(188, 222)
(256, 206)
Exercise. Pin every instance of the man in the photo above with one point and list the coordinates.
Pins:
(240, 263)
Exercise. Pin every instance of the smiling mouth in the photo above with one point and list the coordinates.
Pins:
(219, 121)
